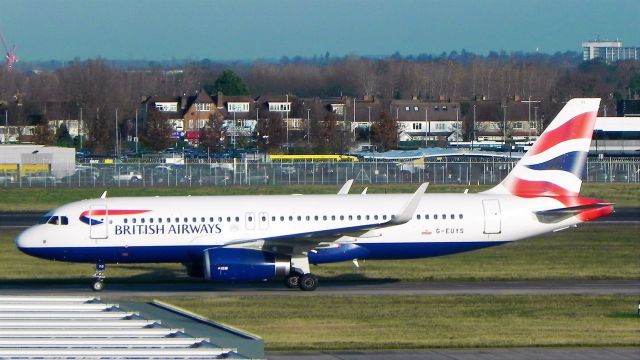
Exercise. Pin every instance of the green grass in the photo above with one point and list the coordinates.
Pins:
(41, 199)
(589, 252)
(416, 322)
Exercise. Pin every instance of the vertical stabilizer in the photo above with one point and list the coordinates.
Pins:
(555, 163)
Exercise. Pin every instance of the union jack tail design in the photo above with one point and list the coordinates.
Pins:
(555, 163)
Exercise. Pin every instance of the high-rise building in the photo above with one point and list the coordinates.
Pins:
(609, 51)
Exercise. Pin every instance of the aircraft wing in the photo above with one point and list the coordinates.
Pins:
(304, 241)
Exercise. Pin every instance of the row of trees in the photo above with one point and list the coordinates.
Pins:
(99, 89)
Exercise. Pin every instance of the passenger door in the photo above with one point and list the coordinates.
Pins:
(98, 222)
(492, 216)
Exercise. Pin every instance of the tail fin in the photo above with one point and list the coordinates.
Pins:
(555, 163)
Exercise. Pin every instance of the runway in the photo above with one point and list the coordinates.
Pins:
(275, 289)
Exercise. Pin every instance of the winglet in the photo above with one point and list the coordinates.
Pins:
(104, 195)
(344, 190)
(410, 207)
(364, 192)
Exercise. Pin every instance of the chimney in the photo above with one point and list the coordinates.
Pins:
(183, 101)
(220, 100)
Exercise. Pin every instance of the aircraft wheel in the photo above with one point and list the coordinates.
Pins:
(98, 286)
(292, 280)
(308, 282)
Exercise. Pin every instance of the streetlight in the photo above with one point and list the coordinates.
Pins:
(369, 124)
(308, 125)
(473, 130)
(504, 124)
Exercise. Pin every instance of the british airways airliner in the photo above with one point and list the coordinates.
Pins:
(255, 238)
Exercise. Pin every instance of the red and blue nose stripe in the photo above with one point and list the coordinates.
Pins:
(96, 217)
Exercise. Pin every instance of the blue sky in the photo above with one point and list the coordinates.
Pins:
(248, 30)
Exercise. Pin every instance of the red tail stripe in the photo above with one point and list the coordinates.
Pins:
(526, 188)
(580, 127)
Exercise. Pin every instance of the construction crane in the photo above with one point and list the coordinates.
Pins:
(10, 57)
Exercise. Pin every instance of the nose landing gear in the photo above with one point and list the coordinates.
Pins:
(98, 277)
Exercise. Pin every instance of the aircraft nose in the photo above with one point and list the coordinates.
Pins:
(25, 240)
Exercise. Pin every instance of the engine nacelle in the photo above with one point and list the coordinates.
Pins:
(232, 264)
(194, 269)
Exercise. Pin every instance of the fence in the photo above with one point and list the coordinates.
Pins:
(238, 172)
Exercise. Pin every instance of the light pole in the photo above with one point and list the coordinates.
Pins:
(80, 128)
(369, 124)
(473, 129)
(136, 139)
(308, 125)
(6, 125)
(504, 124)
(116, 133)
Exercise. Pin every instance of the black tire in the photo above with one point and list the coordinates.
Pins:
(308, 282)
(292, 280)
(97, 286)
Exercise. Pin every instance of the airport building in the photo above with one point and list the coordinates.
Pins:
(609, 51)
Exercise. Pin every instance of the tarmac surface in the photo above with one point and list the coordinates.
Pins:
(369, 288)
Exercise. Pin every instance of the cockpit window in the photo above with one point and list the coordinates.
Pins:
(54, 220)
(44, 219)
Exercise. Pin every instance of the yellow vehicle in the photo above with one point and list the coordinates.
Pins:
(327, 158)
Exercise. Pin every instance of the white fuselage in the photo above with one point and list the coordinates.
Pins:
(179, 229)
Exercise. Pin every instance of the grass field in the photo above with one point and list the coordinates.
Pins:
(413, 322)
(43, 199)
(588, 252)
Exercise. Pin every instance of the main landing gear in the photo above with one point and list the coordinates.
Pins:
(98, 277)
(300, 276)
(306, 282)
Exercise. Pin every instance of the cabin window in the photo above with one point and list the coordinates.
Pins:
(350, 217)
(290, 218)
(384, 217)
(141, 220)
(333, 217)
(444, 216)
(160, 220)
(299, 218)
(418, 216)
(177, 219)
(219, 218)
(125, 220)
(452, 217)
(228, 218)
(435, 216)
(308, 217)
(133, 220)
(250, 219)
(194, 219)
(367, 217)
(281, 218)
(460, 216)
(202, 219)
(375, 217)
(264, 218)
(237, 219)
(426, 216)
(315, 218)
(324, 217)
(273, 218)
(341, 217)
(151, 220)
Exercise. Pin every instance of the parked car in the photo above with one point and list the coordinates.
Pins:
(130, 176)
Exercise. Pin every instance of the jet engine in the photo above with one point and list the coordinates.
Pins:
(235, 265)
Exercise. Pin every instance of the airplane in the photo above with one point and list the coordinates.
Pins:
(258, 238)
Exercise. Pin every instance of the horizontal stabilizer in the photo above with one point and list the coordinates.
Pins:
(557, 215)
